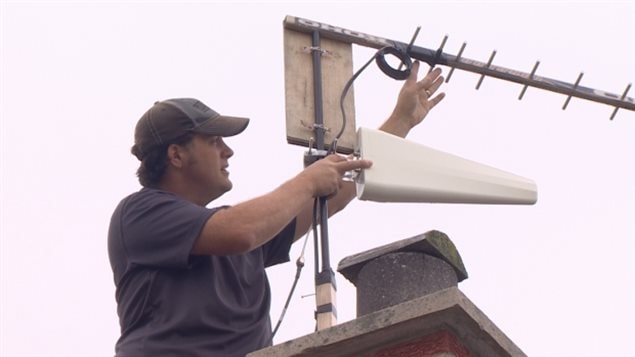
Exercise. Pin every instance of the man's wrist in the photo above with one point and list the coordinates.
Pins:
(396, 126)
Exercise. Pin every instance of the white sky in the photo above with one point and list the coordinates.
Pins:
(556, 277)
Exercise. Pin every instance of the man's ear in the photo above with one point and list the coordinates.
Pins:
(175, 155)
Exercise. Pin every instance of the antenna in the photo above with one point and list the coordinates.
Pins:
(438, 57)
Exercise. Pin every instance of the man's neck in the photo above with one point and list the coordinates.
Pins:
(185, 191)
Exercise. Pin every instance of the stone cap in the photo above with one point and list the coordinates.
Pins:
(434, 243)
(445, 310)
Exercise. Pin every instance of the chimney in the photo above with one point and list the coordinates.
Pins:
(408, 304)
(402, 271)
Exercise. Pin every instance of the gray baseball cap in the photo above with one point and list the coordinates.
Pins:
(169, 120)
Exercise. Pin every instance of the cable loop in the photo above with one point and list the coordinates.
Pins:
(403, 57)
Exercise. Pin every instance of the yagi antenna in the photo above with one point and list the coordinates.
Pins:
(438, 57)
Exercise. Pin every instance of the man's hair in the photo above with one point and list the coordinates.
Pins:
(155, 162)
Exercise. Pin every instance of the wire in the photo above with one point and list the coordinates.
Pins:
(299, 265)
(379, 57)
(343, 96)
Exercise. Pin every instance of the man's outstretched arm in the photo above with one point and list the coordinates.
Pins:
(247, 225)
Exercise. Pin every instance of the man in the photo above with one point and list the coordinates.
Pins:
(191, 280)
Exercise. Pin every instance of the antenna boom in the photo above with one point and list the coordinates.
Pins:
(438, 57)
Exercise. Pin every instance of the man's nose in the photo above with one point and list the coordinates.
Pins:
(227, 151)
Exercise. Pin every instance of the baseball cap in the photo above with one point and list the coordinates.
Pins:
(167, 121)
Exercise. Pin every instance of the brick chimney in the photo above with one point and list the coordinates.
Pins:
(408, 304)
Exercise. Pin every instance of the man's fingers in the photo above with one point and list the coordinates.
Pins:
(336, 158)
(343, 164)
(413, 72)
(435, 85)
(429, 79)
(353, 165)
(435, 100)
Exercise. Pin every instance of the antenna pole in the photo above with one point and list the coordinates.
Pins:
(326, 314)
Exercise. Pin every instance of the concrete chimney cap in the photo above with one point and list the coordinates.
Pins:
(434, 243)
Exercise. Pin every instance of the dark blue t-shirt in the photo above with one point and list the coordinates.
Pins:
(172, 303)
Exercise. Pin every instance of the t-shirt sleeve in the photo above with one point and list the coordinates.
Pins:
(276, 251)
(160, 229)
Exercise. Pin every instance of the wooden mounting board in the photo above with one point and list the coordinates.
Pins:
(337, 69)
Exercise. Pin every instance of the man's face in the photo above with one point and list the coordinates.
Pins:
(206, 166)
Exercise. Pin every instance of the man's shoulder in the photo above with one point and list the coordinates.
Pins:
(145, 200)
(157, 201)
(152, 193)
(147, 195)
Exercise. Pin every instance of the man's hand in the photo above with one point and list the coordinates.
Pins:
(325, 176)
(415, 100)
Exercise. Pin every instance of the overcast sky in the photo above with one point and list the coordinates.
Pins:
(555, 277)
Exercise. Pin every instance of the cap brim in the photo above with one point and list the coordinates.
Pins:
(223, 126)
